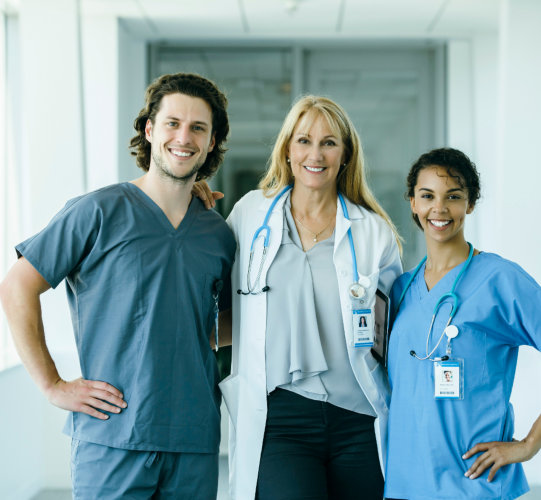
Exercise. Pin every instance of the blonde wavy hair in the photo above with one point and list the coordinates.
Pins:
(351, 180)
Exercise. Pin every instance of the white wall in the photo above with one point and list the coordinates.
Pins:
(21, 435)
(519, 166)
(519, 177)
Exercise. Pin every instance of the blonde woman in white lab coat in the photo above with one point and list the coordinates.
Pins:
(307, 400)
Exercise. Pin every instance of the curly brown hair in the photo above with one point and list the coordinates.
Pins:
(194, 86)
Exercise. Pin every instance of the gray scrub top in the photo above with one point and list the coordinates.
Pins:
(140, 296)
(305, 345)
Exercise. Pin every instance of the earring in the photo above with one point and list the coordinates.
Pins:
(288, 160)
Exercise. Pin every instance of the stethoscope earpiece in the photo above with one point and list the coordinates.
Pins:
(414, 355)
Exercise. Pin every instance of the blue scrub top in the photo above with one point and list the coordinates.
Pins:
(499, 310)
(140, 297)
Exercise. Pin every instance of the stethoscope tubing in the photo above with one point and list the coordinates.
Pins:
(267, 230)
(265, 226)
(451, 294)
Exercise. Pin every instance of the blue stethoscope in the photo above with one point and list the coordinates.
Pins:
(356, 290)
(450, 330)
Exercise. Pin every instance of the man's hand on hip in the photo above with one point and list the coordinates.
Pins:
(87, 396)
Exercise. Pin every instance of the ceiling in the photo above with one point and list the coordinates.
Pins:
(294, 19)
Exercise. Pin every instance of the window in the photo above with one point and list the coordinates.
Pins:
(10, 220)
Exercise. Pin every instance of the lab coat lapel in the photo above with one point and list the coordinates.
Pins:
(342, 225)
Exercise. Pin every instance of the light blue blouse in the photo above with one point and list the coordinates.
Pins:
(305, 345)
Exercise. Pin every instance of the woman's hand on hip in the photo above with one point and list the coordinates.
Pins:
(496, 455)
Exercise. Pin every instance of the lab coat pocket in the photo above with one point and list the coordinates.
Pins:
(230, 391)
(379, 376)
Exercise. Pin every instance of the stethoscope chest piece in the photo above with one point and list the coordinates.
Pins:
(451, 331)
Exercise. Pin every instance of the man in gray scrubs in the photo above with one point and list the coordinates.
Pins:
(144, 263)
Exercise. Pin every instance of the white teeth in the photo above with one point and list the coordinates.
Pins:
(180, 153)
(314, 169)
(440, 223)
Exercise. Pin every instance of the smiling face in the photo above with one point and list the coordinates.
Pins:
(315, 154)
(181, 137)
(441, 204)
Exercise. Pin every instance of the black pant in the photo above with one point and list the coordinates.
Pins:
(317, 451)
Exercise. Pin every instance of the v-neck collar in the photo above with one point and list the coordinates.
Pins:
(441, 287)
(159, 214)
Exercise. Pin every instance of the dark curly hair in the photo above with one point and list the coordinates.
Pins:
(458, 166)
(194, 86)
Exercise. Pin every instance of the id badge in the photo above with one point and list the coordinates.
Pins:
(449, 379)
(363, 331)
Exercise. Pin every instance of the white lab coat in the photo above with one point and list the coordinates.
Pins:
(244, 390)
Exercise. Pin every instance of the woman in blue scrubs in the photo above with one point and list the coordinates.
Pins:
(459, 319)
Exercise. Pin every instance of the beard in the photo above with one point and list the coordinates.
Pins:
(165, 172)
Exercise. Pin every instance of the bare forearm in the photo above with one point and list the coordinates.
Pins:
(496, 454)
(533, 439)
(23, 311)
(20, 294)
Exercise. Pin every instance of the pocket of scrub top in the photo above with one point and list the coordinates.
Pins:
(472, 345)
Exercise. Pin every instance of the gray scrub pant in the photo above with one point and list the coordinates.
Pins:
(102, 473)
